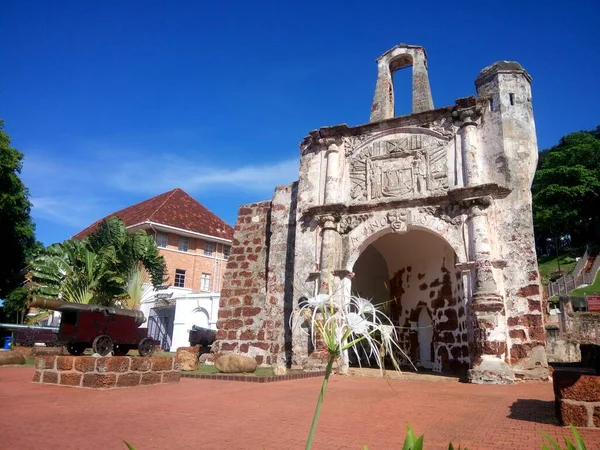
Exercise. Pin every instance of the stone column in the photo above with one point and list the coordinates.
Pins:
(332, 179)
(327, 264)
(468, 129)
(469, 153)
(488, 347)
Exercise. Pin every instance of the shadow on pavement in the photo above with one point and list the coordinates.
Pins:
(531, 410)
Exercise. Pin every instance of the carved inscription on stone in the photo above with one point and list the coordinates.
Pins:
(412, 166)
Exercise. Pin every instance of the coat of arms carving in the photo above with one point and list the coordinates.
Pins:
(414, 165)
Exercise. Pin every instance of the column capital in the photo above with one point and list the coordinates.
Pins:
(333, 144)
(327, 222)
(468, 116)
(476, 205)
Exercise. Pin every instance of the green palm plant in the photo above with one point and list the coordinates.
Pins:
(109, 266)
(68, 271)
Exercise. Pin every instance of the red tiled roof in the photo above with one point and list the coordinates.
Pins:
(175, 208)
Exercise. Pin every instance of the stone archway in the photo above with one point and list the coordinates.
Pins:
(413, 277)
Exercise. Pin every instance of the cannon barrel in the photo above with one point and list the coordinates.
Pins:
(62, 306)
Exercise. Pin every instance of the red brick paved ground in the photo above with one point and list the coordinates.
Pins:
(206, 414)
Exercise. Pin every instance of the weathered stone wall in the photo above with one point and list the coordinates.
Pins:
(462, 173)
(561, 348)
(508, 130)
(280, 287)
(105, 373)
(251, 321)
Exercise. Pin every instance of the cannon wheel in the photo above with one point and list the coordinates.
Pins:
(102, 345)
(75, 349)
(146, 347)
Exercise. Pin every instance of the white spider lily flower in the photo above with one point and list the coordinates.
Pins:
(357, 324)
(363, 306)
(318, 301)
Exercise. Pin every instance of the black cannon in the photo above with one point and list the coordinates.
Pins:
(103, 328)
(202, 336)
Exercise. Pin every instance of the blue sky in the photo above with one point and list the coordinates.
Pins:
(114, 102)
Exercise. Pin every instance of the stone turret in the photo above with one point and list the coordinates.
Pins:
(508, 87)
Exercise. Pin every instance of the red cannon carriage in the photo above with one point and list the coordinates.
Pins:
(105, 329)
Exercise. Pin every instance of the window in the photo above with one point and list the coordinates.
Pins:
(226, 250)
(161, 240)
(205, 282)
(184, 244)
(511, 97)
(209, 248)
(179, 278)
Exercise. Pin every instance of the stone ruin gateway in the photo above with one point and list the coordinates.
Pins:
(428, 213)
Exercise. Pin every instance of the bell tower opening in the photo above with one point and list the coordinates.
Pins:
(402, 76)
(400, 57)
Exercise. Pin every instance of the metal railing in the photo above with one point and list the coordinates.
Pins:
(575, 279)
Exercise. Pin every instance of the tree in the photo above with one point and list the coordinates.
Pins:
(566, 189)
(16, 227)
(108, 267)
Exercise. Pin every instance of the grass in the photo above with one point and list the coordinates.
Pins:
(548, 264)
(207, 369)
(593, 288)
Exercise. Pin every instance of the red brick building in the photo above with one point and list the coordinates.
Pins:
(193, 240)
(195, 244)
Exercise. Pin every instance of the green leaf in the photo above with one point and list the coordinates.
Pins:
(409, 440)
(578, 439)
(418, 443)
(552, 442)
(129, 446)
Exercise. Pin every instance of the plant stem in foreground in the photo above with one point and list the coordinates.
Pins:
(313, 427)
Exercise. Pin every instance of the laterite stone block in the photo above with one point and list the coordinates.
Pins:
(50, 377)
(99, 381)
(85, 363)
(151, 378)
(118, 364)
(171, 377)
(45, 362)
(159, 364)
(64, 362)
(70, 378)
(129, 379)
(141, 364)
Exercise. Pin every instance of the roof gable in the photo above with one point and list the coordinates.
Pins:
(176, 209)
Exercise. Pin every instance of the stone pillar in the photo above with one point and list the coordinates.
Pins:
(469, 153)
(332, 178)
(469, 148)
(421, 91)
(488, 347)
(327, 264)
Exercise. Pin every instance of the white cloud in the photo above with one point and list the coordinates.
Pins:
(65, 210)
(158, 176)
(77, 189)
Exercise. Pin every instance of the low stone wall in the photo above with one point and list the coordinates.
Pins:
(577, 396)
(105, 373)
(561, 348)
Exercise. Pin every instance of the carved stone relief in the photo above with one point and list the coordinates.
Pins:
(412, 166)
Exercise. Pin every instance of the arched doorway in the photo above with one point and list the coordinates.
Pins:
(413, 278)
